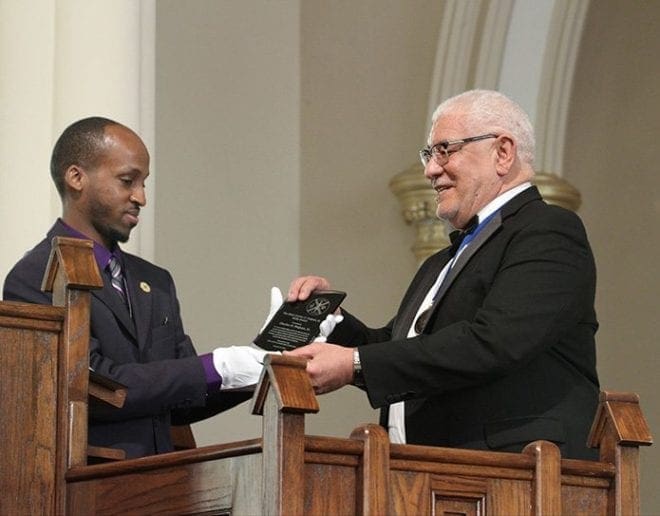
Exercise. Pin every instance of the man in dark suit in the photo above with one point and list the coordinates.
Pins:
(493, 344)
(137, 338)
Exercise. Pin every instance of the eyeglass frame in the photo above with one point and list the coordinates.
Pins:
(441, 149)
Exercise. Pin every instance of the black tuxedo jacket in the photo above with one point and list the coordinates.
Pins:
(508, 354)
(150, 354)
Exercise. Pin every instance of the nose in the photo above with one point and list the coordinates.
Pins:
(139, 196)
(432, 169)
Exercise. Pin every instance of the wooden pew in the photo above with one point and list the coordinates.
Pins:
(285, 471)
(44, 366)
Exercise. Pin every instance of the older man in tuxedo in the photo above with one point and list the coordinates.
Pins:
(493, 344)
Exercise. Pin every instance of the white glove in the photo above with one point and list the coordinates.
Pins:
(327, 326)
(239, 366)
(275, 303)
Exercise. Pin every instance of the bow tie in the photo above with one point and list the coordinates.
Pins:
(456, 237)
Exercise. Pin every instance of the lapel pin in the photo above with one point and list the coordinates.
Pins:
(145, 286)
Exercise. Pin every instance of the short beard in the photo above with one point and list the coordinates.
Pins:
(109, 233)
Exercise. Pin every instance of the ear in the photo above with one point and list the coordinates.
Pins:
(506, 152)
(75, 178)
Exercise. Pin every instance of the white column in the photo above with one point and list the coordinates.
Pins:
(26, 105)
(104, 62)
(62, 60)
(524, 49)
(520, 74)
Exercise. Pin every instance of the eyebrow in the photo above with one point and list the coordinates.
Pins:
(134, 171)
(440, 143)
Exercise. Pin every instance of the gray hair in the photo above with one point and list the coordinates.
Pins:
(487, 110)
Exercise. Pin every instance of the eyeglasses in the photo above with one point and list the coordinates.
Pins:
(441, 151)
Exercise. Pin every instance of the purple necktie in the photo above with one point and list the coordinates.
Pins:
(117, 278)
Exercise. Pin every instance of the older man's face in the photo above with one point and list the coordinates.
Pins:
(468, 180)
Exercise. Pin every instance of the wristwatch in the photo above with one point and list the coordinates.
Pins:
(358, 377)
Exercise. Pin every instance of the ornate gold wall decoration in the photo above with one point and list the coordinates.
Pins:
(556, 190)
(417, 200)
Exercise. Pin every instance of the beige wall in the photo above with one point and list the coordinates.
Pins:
(366, 73)
(278, 128)
(279, 125)
(227, 169)
(612, 158)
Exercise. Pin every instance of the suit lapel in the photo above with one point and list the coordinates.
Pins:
(107, 295)
(110, 298)
(140, 294)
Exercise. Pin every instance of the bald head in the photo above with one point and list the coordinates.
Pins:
(83, 144)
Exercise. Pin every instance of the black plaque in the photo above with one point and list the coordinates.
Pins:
(297, 323)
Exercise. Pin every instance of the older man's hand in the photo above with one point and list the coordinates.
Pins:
(302, 287)
(329, 366)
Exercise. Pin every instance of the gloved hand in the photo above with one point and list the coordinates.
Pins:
(239, 366)
(327, 326)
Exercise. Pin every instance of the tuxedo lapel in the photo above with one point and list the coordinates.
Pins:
(509, 209)
(490, 228)
(419, 290)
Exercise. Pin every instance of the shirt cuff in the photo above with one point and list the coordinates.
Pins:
(213, 379)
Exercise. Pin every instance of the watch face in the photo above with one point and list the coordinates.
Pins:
(358, 377)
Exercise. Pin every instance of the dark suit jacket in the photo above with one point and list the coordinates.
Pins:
(150, 354)
(508, 355)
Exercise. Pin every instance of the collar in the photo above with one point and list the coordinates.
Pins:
(487, 212)
(500, 201)
(101, 253)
